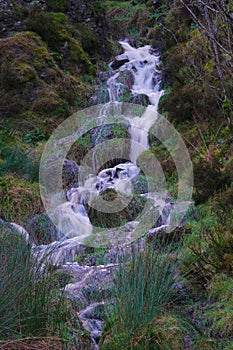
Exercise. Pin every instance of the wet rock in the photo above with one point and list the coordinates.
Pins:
(70, 173)
(139, 99)
(42, 230)
(58, 253)
(118, 63)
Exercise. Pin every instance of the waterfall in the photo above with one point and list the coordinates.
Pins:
(142, 63)
(71, 217)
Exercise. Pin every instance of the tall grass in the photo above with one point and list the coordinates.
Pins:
(30, 302)
(143, 289)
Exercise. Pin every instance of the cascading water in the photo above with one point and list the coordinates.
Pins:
(142, 64)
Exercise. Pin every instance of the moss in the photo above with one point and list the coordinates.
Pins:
(65, 40)
(88, 39)
(57, 5)
(52, 27)
(33, 89)
(78, 56)
(26, 72)
(165, 333)
(132, 208)
(19, 199)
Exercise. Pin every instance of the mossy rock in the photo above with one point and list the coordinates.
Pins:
(77, 56)
(42, 230)
(56, 30)
(51, 27)
(34, 91)
(23, 57)
(19, 199)
(132, 207)
(88, 39)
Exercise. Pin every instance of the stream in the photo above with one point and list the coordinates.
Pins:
(74, 225)
(142, 64)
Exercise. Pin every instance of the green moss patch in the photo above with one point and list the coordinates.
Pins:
(34, 90)
(19, 199)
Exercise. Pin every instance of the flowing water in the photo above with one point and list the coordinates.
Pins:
(142, 63)
(75, 226)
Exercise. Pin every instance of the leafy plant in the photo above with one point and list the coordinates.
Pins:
(33, 136)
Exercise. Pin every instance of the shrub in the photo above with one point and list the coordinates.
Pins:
(57, 5)
(209, 246)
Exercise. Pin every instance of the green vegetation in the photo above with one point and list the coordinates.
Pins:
(34, 91)
(97, 137)
(177, 293)
(144, 290)
(56, 30)
(19, 199)
(33, 310)
(129, 20)
(57, 5)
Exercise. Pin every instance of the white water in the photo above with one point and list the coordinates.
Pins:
(142, 63)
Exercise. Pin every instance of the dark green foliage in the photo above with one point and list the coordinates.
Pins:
(33, 88)
(50, 26)
(209, 247)
(57, 5)
(56, 30)
(196, 69)
(20, 162)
